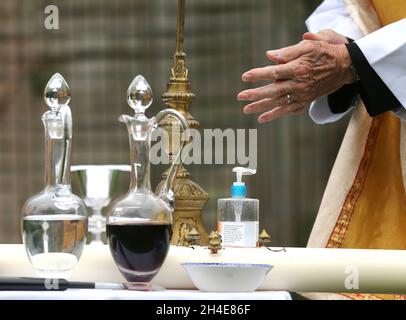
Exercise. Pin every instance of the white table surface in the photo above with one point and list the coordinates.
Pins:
(99, 294)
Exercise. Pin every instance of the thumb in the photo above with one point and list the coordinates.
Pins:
(287, 54)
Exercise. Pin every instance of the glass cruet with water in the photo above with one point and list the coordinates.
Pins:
(54, 221)
(139, 224)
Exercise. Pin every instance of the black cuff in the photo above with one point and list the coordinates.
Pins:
(375, 94)
(344, 98)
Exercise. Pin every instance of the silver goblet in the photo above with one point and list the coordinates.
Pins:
(97, 184)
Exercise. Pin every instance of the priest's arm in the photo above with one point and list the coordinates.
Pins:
(332, 70)
(379, 59)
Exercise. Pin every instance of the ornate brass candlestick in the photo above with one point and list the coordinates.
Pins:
(190, 198)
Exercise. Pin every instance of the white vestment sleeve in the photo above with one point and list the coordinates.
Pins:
(385, 50)
(331, 14)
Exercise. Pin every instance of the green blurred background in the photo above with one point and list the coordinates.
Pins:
(102, 44)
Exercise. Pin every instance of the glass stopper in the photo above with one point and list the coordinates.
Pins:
(139, 94)
(57, 92)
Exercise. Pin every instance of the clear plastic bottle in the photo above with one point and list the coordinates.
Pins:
(238, 216)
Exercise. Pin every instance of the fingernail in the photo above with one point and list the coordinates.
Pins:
(247, 110)
(274, 54)
(243, 96)
(247, 77)
(261, 120)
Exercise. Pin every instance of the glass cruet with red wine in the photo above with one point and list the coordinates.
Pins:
(139, 224)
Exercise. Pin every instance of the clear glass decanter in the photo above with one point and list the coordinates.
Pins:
(139, 224)
(54, 221)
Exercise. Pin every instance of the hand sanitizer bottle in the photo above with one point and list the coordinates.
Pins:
(238, 216)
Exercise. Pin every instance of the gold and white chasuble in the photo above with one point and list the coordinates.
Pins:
(364, 204)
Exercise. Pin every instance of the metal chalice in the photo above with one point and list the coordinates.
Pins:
(97, 184)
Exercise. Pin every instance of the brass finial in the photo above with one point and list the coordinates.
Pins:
(215, 242)
(189, 236)
(264, 239)
(192, 237)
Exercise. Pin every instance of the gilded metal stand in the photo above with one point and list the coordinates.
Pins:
(190, 198)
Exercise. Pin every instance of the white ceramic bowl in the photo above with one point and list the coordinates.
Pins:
(227, 277)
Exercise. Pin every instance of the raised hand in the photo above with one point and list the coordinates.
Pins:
(305, 72)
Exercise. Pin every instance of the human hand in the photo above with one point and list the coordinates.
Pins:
(306, 71)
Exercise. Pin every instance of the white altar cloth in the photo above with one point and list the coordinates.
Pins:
(294, 269)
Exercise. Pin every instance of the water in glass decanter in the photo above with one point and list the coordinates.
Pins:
(54, 243)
